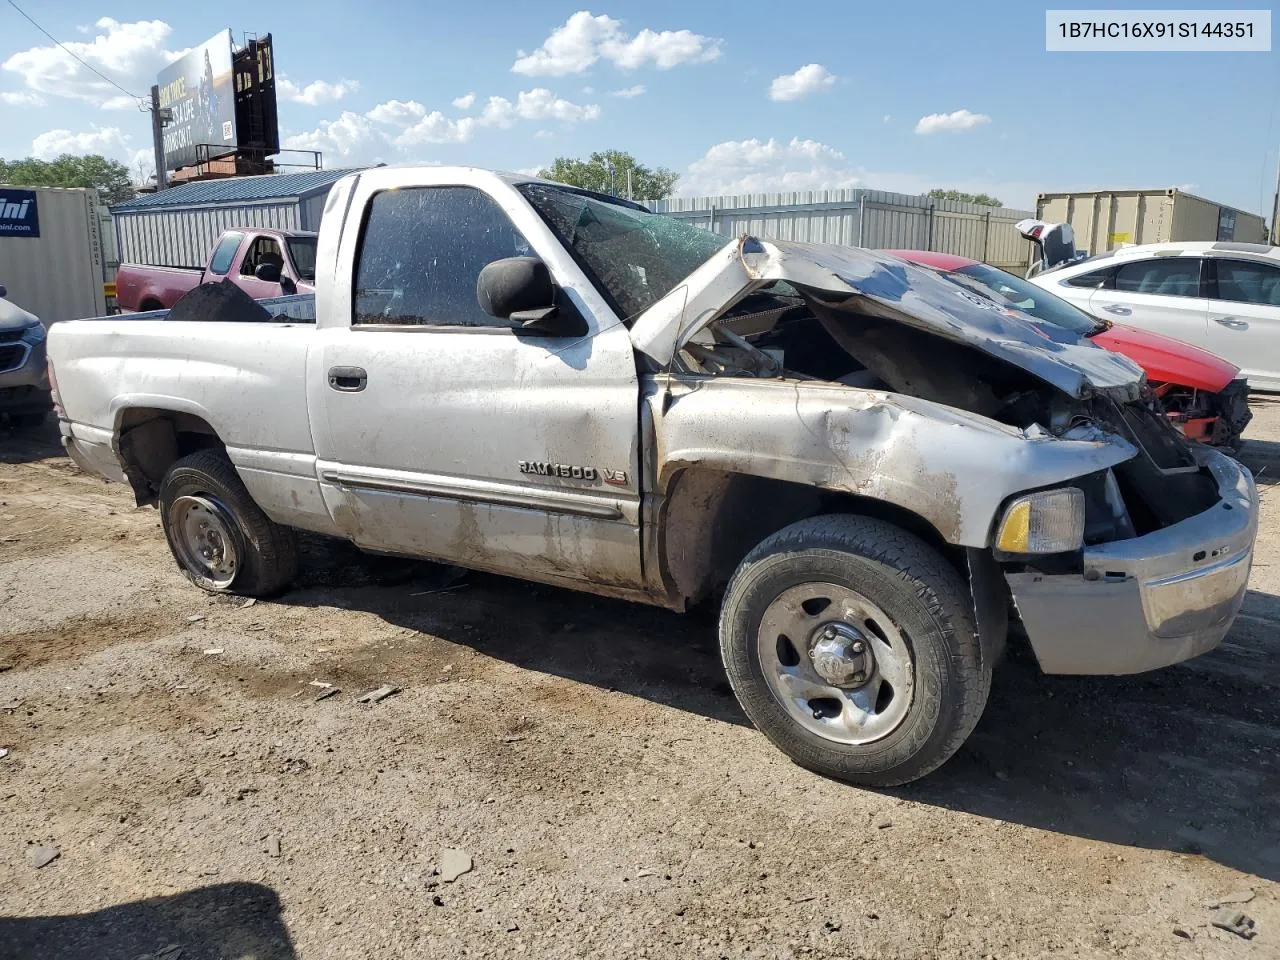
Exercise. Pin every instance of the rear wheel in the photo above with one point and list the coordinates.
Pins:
(851, 645)
(221, 539)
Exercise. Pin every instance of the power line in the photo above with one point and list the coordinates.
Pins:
(87, 66)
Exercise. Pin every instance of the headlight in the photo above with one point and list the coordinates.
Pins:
(34, 333)
(1051, 521)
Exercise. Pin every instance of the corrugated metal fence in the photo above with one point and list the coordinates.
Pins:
(182, 237)
(863, 218)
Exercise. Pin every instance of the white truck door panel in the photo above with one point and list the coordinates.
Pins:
(1244, 318)
(441, 432)
(1162, 294)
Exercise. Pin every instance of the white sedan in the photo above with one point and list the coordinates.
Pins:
(1222, 296)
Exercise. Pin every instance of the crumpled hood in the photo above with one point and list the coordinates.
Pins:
(13, 317)
(862, 281)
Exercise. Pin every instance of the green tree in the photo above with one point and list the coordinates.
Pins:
(110, 177)
(985, 199)
(606, 172)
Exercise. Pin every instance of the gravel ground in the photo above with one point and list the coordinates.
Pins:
(587, 759)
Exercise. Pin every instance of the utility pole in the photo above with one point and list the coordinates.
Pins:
(157, 136)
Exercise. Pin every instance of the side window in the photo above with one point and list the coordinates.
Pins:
(220, 262)
(1245, 281)
(264, 250)
(1094, 279)
(421, 252)
(1162, 276)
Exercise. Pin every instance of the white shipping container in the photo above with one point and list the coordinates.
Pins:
(57, 275)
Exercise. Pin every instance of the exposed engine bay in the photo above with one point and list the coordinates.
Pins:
(787, 332)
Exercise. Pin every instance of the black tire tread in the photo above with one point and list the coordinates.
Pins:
(273, 551)
(944, 595)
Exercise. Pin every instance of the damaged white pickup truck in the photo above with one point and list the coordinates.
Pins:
(871, 465)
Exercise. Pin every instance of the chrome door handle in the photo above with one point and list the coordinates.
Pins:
(1232, 322)
(348, 379)
(1118, 310)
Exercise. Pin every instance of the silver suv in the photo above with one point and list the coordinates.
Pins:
(24, 379)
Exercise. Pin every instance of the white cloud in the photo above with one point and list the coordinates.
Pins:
(129, 53)
(435, 127)
(403, 124)
(629, 92)
(23, 98)
(541, 104)
(781, 166)
(314, 93)
(584, 39)
(588, 91)
(544, 135)
(536, 104)
(768, 166)
(397, 112)
(529, 171)
(120, 103)
(109, 141)
(955, 121)
(888, 118)
(350, 134)
(465, 101)
(811, 78)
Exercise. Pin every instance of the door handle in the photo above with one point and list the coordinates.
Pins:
(348, 379)
(1232, 322)
(1118, 310)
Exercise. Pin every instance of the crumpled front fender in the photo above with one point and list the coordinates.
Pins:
(952, 468)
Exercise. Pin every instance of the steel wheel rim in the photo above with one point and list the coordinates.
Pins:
(206, 540)
(836, 662)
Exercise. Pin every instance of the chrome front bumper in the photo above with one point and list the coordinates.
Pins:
(1149, 601)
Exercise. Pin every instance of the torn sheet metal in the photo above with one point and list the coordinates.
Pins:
(951, 467)
(875, 284)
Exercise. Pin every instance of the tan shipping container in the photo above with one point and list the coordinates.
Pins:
(1106, 219)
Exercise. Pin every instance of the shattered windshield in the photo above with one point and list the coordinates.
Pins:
(635, 257)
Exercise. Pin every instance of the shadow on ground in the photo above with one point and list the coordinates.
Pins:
(223, 921)
(1182, 759)
(29, 444)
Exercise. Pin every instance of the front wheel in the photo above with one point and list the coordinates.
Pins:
(221, 539)
(851, 645)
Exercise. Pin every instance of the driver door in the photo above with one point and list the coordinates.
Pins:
(444, 432)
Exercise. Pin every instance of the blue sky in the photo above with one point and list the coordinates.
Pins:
(736, 97)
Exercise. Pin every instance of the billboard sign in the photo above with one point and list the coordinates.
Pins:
(19, 215)
(198, 88)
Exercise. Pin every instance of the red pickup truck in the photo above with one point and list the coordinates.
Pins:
(263, 263)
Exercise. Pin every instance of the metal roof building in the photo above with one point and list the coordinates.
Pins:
(176, 227)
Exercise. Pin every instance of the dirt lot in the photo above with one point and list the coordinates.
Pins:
(590, 759)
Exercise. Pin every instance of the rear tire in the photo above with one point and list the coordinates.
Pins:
(851, 644)
(220, 538)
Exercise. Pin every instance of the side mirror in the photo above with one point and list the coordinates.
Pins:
(520, 289)
(269, 272)
(288, 287)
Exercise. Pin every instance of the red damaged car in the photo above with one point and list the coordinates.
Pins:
(1202, 393)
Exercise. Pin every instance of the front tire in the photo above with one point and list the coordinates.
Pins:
(220, 538)
(851, 644)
